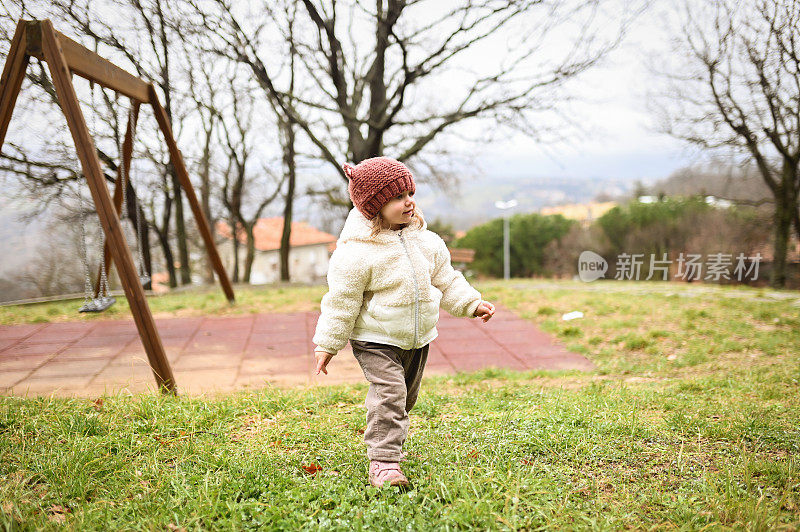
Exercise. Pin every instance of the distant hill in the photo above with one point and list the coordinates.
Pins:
(475, 202)
(715, 179)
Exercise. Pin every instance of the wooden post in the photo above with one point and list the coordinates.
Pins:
(183, 176)
(13, 74)
(109, 220)
(124, 166)
(65, 57)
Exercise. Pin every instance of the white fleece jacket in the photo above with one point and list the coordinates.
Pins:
(388, 288)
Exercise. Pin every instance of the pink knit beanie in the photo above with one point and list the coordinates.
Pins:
(374, 181)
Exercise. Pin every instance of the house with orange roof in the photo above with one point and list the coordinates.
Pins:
(309, 251)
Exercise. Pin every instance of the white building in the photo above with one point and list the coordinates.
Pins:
(309, 251)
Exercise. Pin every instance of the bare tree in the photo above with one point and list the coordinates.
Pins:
(288, 140)
(235, 141)
(241, 181)
(148, 46)
(162, 208)
(362, 105)
(204, 91)
(48, 171)
(738, 86)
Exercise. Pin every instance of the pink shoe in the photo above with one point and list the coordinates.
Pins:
(381, 472)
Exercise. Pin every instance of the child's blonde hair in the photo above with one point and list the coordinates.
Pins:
(379, 222)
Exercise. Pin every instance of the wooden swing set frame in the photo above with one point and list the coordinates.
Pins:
(65, 57)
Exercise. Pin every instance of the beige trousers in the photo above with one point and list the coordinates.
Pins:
(394, 375)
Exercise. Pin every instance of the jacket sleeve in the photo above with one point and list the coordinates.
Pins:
(326, 349)
(459, 298)
(348, 277)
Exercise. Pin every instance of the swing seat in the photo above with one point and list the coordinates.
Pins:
(144, 279)
(98, 304)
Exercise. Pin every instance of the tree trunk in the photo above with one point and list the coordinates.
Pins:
(785, 205)
(180, 229)
(251, 251)
(163, 237)
(133, 206)
(205, 200)
(168, 257)
(289, 166)
(235, 246)
(145, 243)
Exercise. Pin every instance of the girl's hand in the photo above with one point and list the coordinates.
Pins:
(484, 311)
(323, 357)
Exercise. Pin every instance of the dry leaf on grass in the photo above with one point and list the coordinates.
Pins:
(57, 513)
(311, 468)
(252, 426)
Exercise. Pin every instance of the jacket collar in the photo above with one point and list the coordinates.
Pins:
(358, 227)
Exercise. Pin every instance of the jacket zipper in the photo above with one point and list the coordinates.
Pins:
(416, 288)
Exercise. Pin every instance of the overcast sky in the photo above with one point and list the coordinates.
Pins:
(620, 142)
(617, 140)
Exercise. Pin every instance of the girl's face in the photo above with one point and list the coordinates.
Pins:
(398, 210)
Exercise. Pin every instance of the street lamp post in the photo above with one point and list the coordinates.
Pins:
(504, 206)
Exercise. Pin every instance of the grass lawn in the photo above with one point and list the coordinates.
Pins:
(690, 422)
(196, 302)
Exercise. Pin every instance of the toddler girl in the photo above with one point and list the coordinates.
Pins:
(387, 278)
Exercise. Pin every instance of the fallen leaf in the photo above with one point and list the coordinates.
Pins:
(58, 514)
(312, 468)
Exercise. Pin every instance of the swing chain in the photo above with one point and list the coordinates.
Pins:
(87, 285)
(103, 300)
(102, 292)
(143, 277)
(123, 183)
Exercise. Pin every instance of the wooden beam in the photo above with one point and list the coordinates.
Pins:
(183, 176)
(124, 166)
(86, 63)
(13, 74)
(60, 72)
